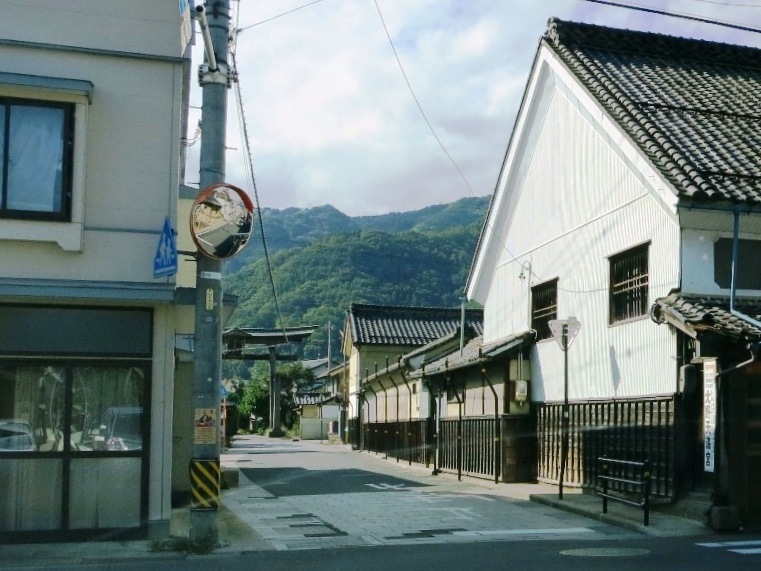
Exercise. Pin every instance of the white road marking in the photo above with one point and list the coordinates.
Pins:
(754, 551)
(397, 487)
(747, 543)
(562, 530)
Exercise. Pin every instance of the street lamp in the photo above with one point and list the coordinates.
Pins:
(564, 331)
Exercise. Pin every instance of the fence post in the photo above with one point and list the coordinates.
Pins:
(604, 471)
(646, 478)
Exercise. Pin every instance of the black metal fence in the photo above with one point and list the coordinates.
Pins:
(467, 445)
(634, 430)
(353, 433)
(409, 441)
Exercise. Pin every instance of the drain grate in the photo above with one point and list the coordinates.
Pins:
(426, 533)
(319, 527)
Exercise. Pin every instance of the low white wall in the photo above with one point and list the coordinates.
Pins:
(316, 428)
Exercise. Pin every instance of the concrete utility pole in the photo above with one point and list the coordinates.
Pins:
(214, 78)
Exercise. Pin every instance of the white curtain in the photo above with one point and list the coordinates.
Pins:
(35, 153)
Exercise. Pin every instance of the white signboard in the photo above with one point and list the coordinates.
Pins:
(709, 415)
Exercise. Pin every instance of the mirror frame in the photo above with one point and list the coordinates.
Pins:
(202, 201)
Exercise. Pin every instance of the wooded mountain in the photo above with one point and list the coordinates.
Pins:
(323, 260)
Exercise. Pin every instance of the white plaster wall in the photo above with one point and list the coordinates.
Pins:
(582, 196)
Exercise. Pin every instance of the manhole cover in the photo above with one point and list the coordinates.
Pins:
(605, 552)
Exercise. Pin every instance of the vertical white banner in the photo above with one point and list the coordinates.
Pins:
(709, 415)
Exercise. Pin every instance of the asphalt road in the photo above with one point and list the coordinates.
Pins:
(621, 555)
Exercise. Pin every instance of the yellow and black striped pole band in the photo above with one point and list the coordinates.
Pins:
(205, 476)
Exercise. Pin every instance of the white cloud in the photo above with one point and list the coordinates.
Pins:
(332, 121)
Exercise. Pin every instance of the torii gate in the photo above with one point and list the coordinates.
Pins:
(237, 340)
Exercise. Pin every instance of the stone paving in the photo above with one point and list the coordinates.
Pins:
(306, 494)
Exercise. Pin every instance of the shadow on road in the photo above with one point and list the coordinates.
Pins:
(281, 482)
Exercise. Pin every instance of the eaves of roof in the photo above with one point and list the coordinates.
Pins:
(302, 399)
(474, 352)
(697, 315)
(237, 337)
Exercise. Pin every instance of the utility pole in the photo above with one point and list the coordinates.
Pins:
(205, 473)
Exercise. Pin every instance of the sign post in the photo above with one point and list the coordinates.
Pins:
(564, 331)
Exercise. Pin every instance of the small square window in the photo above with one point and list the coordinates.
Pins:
(629, 284)
(544, 308)
(35, 156)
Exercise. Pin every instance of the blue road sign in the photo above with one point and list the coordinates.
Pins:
(165, 261)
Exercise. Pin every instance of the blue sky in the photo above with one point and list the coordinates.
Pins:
(330, 116)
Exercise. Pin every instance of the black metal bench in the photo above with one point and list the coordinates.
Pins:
(629, 476)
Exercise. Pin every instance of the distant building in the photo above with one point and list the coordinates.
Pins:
(377, 336)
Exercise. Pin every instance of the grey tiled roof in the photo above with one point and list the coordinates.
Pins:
(692, 106)
(413, 326)
(701, 314)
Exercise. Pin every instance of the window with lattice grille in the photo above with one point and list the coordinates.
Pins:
(544, 307)
(629, 281)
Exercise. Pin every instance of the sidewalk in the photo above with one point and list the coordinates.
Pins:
(236, 536)
(666, 520)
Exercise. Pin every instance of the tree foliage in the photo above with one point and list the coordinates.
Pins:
(425, 264)
(255, 398)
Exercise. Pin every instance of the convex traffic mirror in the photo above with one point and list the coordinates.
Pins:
(221, 220)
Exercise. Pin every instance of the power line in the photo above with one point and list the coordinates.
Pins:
(249, 165)
(676, 15)
(728, 4)
(432, 130)
(414, 97)
(417, 102)
(243, 29)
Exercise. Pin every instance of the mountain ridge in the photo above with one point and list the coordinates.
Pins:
(322, 260)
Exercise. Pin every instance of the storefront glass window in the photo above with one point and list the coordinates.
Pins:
(72, 443)
(32, 402)
(107, 408)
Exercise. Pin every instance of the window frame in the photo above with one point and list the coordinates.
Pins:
(628, 296)
(67, 230)
(67, 144)
(541, 315)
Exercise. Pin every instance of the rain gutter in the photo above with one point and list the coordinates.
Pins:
(496, 424)
(409, 417)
